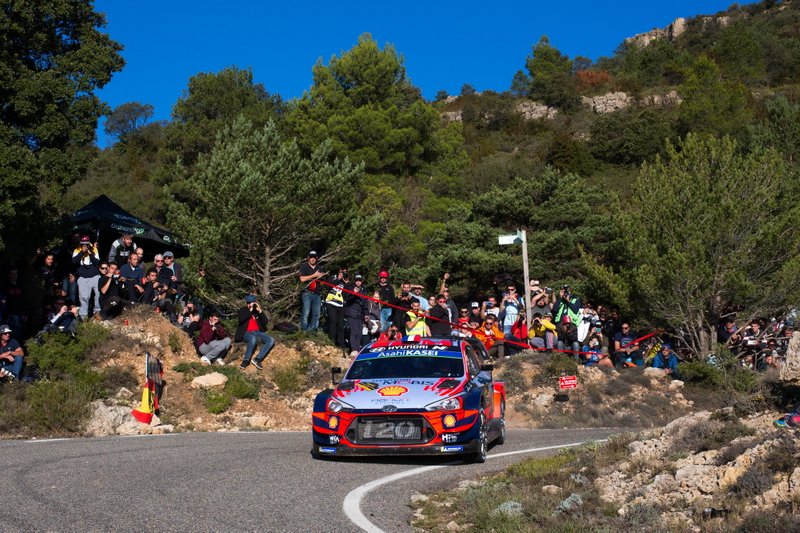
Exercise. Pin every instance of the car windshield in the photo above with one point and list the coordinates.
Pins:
(407, 367)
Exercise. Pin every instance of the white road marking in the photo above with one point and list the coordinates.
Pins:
(352, 502)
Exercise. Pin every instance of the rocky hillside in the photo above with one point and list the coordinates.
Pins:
(633, 398)
(194, 399)
(708, 471)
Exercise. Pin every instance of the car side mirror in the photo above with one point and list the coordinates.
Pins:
(335, 371)
(487, 367)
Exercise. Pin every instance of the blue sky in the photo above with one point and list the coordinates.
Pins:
(445, 44)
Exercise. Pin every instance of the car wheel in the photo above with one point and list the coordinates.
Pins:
(502, 438)
(483, 439)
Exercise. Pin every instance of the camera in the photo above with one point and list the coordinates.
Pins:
(548, 290)
(565, 287)
(115, 276)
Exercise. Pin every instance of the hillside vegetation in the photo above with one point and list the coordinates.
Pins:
(365, 170)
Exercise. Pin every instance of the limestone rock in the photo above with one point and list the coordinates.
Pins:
(124, 394)
(543, 400)
(214, 380)
(704, 478)
(794, 483)
(608, 103)
(790, 371)
(452, 116)
(670, 33)
(417, 498)
(535, 111)
(551, 489)
(676, 385)
(654, 373)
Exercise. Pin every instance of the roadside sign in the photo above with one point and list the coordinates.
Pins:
(568, 382)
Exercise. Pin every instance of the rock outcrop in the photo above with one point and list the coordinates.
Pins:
(670, 33)
(790, 371)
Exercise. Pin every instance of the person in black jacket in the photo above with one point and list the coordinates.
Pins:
(354, 312)
(251, 330)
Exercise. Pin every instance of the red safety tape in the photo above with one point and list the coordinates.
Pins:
(457, 326)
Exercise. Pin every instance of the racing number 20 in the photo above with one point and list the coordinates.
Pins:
(390, 430)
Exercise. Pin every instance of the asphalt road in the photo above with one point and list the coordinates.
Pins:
(220, 481)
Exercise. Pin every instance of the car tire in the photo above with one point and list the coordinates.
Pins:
(483, 439)
(502, 438)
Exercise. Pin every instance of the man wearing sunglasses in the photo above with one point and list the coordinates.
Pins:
(10, 355)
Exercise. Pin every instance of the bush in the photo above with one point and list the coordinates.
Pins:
(174, 341)
(289, 379)
(721, 371)
(217, 401)
(238, 386)
(57, 406)
(558, 365)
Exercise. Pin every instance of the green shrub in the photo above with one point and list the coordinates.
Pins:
(57, 406)
(240, 386)
(174, 341)
(722, 371)
(558, 365)
(289, 379)
(543, 467)
(218, 401)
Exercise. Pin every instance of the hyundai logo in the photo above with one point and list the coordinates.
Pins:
(389, 408)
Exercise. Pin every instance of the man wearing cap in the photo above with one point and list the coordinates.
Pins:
(309, 274)
(568, 336)
(252, 329)
(666, 360)
(355, 312)
(121, 249)
(10, 355)
(86, 259)
(212, 342)
(387, 298)
(474, 314)
(416, 293)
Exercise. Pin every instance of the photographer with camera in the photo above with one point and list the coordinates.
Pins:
(334, 307)
(212, 342)
(252, 329)
(540, 298)
(567, 305)
(542, 333)
(111, 286)
(86, 259)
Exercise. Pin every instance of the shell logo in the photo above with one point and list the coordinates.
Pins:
(393, 390)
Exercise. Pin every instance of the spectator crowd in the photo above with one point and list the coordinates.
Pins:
(358, 312)
(54, 291)
(59, 289)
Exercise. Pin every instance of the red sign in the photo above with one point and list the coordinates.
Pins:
(568, 382)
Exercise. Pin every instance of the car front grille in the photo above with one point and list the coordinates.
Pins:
(390, 430)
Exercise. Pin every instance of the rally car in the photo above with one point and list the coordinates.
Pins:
(429, 395)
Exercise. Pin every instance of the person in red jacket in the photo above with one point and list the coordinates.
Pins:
(212, 342)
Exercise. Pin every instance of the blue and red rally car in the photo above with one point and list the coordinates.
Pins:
(429, 395)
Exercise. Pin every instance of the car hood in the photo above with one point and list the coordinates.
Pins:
(403, 393)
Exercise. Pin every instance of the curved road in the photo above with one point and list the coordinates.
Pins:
(221, 481)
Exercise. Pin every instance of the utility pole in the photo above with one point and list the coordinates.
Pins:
(521, 237)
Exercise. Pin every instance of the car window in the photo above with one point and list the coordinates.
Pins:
(472, 361)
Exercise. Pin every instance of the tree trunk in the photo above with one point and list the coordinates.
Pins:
(266, 273)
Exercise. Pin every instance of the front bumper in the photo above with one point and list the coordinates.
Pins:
(345, 450)
(463, 437)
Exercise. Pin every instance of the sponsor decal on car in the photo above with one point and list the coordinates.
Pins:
(393, 390)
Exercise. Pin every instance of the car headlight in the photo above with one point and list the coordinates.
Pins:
(448, 404)
(334, 406)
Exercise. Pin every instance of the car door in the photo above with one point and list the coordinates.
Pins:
(481, 379)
